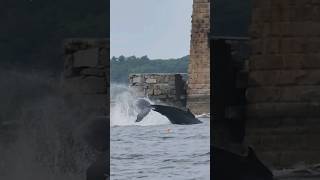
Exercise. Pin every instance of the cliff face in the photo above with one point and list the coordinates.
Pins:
(198, 100)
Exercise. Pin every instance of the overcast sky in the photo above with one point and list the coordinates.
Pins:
(156, 28)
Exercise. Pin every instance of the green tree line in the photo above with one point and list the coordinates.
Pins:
(121, 67)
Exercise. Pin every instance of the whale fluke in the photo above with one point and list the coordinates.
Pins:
(175, 115)
(144, 107)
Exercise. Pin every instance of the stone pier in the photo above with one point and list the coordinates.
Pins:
(198, 91)
(163, 88)
(85, 73)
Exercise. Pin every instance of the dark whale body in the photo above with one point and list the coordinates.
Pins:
(175, 115)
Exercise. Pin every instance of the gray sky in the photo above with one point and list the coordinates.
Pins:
(156, 28)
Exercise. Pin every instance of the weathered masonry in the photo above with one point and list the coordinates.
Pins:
(165, 88)
(86, 89)
(283, 111)
(266, 85)
(198, 91)
(85, 73)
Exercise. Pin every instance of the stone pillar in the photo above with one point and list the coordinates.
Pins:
(283, 111)
(198, 91)
(85, 74)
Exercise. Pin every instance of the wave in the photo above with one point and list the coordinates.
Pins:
(205, 115)
(124, 113)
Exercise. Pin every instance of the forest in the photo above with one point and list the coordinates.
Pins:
(122, 66)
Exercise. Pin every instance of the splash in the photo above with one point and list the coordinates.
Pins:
(123, 111)
(36, 129)
(204, 115)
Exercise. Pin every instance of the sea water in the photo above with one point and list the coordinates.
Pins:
(155, 149)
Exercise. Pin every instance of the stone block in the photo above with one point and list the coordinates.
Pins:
(94, 72)
(263, 94)
(272, 45)
(164, 87)
(88, 85)
(199, 91)
(137, 79)
(86, 58)
(172, 92)
(157, 92)
(198, 86)
(283, 110)
(285, 62)
(311, 61)
(312, 45)
(284, 94)
(257, 16)
(75, 44)
(293, 45)
(151, 80)
(265, 62)
(283, 123)
(284, 77)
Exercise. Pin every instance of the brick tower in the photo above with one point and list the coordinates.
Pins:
(283, 96)
(198, 99)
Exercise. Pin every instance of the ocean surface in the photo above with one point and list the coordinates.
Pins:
(160, 152)
(155, 149)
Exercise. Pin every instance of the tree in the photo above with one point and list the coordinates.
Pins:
(121, 68)
(114, 59)
(132, 58)
(121, 58)
(145, 58)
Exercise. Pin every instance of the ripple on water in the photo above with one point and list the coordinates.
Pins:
(153, 152)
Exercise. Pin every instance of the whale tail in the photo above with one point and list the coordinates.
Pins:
(144, 107)
(175, 115)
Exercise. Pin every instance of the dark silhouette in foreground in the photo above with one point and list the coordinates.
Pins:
(231, 166)
(175, 115)
(95, 134)
(98, 169)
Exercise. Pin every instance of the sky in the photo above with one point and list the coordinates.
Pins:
(156, 28)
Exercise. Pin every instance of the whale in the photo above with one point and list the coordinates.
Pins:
(175, 115)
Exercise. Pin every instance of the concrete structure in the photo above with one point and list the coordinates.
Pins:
(198, 91)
